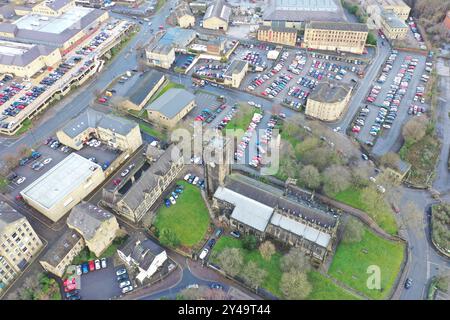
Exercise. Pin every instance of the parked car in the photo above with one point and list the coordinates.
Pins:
(408, 283)
(79, 271)
(103, 262)
(235, 234)
(217, 286)
(204, 253)
(91, 265)
(127, 289)
(122, 277)
(121, 271)
(211, 243)
(97, 264)
(124, 284)
(218, 232)
(85, 267)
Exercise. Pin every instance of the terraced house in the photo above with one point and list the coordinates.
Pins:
(19, 243)
(136, 196)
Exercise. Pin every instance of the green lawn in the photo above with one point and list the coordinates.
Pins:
(168, 86)
(151, 131)
(188, 218)
(351, 261)
(383, 216)
(26, 125)
(325, 289)
(241, 120)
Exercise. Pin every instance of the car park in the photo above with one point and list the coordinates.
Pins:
(121, 271)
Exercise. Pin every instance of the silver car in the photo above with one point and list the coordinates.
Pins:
(124, 284)
(127, 289)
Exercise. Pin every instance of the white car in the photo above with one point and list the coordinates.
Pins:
(21, 180)
(195, 181)
(124, 284)
(172, 200)
(103, 261)
(127, 289)
(47, 161)
(97, 265)
(125, 172)
(204, 253)
(186, 177)
(79, 271)
(192, 286)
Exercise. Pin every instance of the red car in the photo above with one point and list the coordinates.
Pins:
(116, 182)
(68, 282)
(70, 287)
(91, 265)
(102, 100)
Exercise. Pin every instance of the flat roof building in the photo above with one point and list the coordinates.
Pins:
(25, 60)
(171, 107)
(63, 186)
(393, 27)
(328, 100)
(19, 243)
(294, 13)
(217, 16)
(60, 255)
(235, 73)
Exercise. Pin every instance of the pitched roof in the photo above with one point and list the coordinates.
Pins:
(57, 4)
(218, 10)
(303, 10)
(183, 9)
(141, 249)
(139, 92)
(94, 119)
(172, 102)
(24, 58)
(330, 92)
(61, 247)
(8, 215)
(88, 218)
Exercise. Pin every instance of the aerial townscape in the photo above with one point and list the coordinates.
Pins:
(224, 150)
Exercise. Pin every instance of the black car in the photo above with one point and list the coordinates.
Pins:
(123, 277)
(408, 283)
(211, 243)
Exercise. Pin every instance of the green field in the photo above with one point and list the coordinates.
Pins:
(323, 288)
(241, 120)
(383, 216)
(188, 218)
(151, 131)
(170, 85)
(26, 125)
(351, 261)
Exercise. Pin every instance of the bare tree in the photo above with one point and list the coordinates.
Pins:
(253, 275)
(10, 161)
(295, 259)
(231, 260)
(390, 159)
(266, 249)
(24, 151)
(310, 177)
(336, 179)
(415, 129)
(295, 285)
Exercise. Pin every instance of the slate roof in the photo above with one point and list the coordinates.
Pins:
(235, 67)
(171, 102)
(141, 249)
(330, 92)
(88, 218)
(8, 215)
(218, 10)
(139, 92)
(346, 26)
(61, 247)
(94, 119)
(27, 57)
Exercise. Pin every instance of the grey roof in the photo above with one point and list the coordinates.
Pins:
(278, 28)
(171, 102)
(8, 215)
(7, 11)
(94, 119)
(392, 19)
(61, 248)
(303, 10)
(330, 25)
(27, 57)
(140, 91)
(274, 197)
(183, 9)
(141, 249)
(47, 38)
(218, 10)
(330, 92)
(246, 210)
(57, 4)
(235, 67)
(87, 218)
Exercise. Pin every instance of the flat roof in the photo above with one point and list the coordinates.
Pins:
(330, 92)
(60, 180)
(21, 54)
(246, 210)
(235, 67)
(392, 19)
(177, 37)
(331, 25)
(304, 10)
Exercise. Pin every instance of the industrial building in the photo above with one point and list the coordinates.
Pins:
(253, 207)
(328, 101)
(217, 16)
(63, 29)
(19, 243)
(279, 34)
(388, 15)
(143, 90)
(25, 60)
(295, 13)
(392, 26)
(97, 226)
(235, 73)
(336, 36)
(62, 252)
(116, 132)
(63, 186)
(143, 187)
(172, 106)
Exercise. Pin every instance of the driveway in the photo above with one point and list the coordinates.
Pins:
(100, 284)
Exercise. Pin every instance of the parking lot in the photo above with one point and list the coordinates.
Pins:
(385, 110)
(101, 284)
(295, 74)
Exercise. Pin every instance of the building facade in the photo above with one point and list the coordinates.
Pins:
(183, 15)
(97, 226)
(336, 36)
(62, 252)
(393, 27)
(19, 243)
(281, 35)
(235, 73)
(217, 16)
(328, 101)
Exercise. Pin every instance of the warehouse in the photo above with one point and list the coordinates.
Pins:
(217, 16)
(63, 186)
(235, 73)
(62, 31)
(25, 60)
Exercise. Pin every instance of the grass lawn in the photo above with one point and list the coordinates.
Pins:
(241, 120)
(188, 218)
(351, 261)
(151, 131)
(168, 86)
(383, 216)
(159, 4)
(325, 289)
(26, 125)
(272, 267)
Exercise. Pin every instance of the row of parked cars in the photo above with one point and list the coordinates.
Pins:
(245, 140)
(124, 280)
(254, 58)
(223, 123)
(174, 195)
(297, 64)
(277, 86)
(91, 265)
(194, 180)
(215, 71)
(94, 43)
